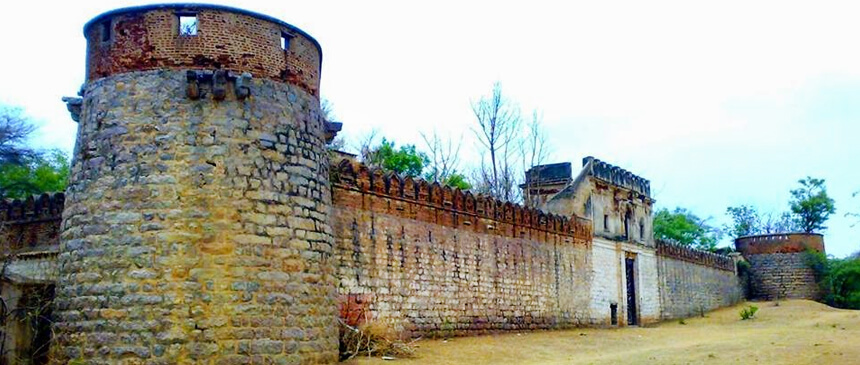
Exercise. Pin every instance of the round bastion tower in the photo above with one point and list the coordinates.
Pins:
(779, 265)
(196, 224)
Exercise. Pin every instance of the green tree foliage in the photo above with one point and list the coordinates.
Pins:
(40, 173)
(811, 205)
(683, 227)
(406, 160)
(456, 180)
(745, 221)
(839, 279)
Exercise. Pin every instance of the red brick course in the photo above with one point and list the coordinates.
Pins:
(148, 38)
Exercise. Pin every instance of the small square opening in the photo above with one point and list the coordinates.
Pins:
(187, 24)
(106, 31)
(285, 40)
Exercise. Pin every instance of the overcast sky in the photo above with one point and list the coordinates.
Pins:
(718, 105)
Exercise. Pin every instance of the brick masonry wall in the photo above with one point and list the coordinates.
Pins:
(196, 231)
(782, 275)
(30, 224)
(693, 282)
(149, 38)
(434, 261)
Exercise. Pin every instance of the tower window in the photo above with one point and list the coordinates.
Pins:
(605, 222)
(187, 24)
(641, 231)
(285, 40)
(106, 31)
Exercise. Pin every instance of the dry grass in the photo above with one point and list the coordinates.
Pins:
(795, 332)
(374, 338)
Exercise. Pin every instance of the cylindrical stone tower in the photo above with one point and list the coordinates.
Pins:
(196, 224)
(779, 265)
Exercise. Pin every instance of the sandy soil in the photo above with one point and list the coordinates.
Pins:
(795, 332)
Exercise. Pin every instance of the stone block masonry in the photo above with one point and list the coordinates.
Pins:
(437, 262)
(196, 224)
(693, 282)
(779, 265)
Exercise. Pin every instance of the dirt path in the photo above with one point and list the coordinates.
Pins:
(795, 332)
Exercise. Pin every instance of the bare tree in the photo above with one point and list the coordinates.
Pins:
(498, 122)
(366, 146)
(534, 151)
(443, 154)
(15, 128)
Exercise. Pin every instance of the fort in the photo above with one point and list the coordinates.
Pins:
(205, 222)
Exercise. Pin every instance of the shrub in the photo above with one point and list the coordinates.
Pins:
(373, 338)
(748, 312)
(839, 279)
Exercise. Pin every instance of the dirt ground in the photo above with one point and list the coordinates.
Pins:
(794, 332)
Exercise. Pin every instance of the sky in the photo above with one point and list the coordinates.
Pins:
(717, 104)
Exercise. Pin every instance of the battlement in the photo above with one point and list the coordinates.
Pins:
(616, 176)
(468, 211)
(34, 208)
(201, 37)
(779, 243)
(31, 224)
(556, 173)
(692, 255)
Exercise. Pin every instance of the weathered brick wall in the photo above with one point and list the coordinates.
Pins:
(693, 282)
(196, 230)
(29, 237)
(779, 266)
(30, 224)
(232, 39)
(435, 261)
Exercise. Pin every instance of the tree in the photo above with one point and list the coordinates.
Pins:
(783, 223)
(839, 279)
(443, 160)
(41, 173)
(854, 214)
(745, 221)
(15, 128)
(811, 205)
(684, 228)
(534, 150)
(498, 122)
(406, 160)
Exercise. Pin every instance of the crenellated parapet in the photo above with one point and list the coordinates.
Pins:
(779, 243)
(424, 200)
(692, 255)
(34, 208)
(29, 223)
(617, 176)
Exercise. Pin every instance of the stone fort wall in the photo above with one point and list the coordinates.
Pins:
(196, 221)
(436, 261)
(202, 223)
(693, 282)
(778, 265)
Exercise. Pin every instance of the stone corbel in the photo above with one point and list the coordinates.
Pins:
(73, 104)
(219, 80)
